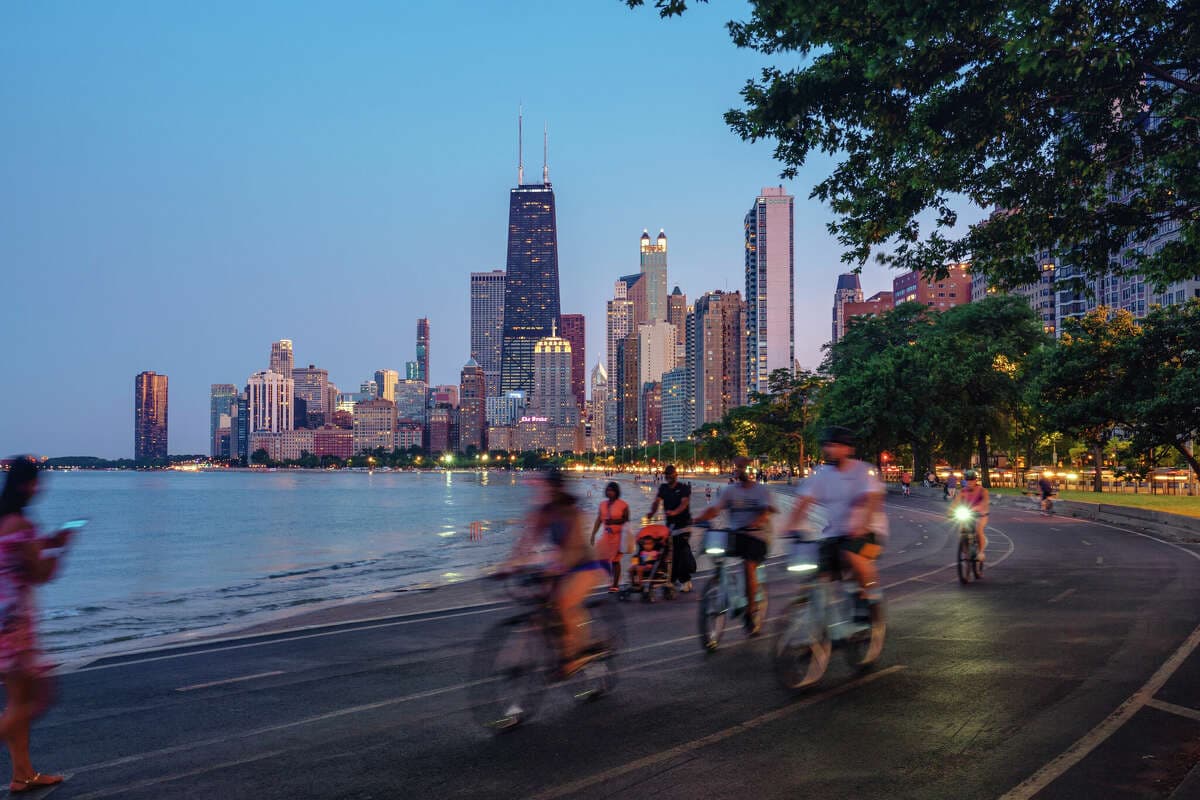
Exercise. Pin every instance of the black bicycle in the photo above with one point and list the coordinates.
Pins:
(519, 659)
(969, 563)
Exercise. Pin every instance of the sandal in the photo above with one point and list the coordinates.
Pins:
(38, 781)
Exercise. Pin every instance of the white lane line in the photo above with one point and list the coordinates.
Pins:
(1063, 595)
(1099, 734)
(663, 756)
(147, 783)
(1172, 708)
(1086, 542)
(210, 684)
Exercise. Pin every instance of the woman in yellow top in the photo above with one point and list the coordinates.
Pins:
(613, 515)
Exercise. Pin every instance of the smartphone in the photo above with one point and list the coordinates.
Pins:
(74, 525)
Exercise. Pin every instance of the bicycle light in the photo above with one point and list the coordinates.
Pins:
(963, 514)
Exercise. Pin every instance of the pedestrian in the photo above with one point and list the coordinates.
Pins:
(613, 514)
(708, 493)
(906, 483)
(676, 500)
(25, 561)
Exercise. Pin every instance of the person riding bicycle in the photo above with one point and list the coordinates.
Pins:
(556, 521)
(979, 500)
(749, 505)
(852, 495)
(1046, 487)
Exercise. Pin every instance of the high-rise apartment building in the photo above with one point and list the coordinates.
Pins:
(283, 360)
(770, 287)
(651, 415)
(657, 350)
(573, 329)
(385, 383)
(222, 405)
(599, 406)
(531, 304)
(552, 395)
(149, 416)
(849, 290)
(675, 426)
(630, 389)
(654, 274)
(472, 408)
(241, 451)
(423, 373)
(271, 406)
(677, 316)
(487, 324)
(312, 386)
(619, 322)
(719, 348)
(374, 425)
(412, 400)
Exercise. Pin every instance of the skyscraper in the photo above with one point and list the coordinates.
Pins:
(222, 405)
(412, 400)
(531, 306)
(411, 370)
(573, 330)
(472, 408)
(283, 360)
(487, 324)
(675, 426)
(630, 387)
(422, 350)
(657, 355)
(599, 406)
(312, 386)
(270, 403)
(654, 274)
(849, 290)
(552, 395)
(770, 287)
(677, 316)
(385, 382)
(719, 348)
(149, 416)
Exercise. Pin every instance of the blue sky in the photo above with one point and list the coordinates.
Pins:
(184, 183)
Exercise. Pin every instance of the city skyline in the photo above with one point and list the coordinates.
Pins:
(316, 204)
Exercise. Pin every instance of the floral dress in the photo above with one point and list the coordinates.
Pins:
(18, 640)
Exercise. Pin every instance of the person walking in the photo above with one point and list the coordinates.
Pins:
(26, 560)
(676, 500)
(613, 514)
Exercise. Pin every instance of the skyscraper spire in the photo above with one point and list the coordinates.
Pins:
(545, 154)
(520, 145)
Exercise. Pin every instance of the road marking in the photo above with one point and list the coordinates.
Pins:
(1172, 708)
(1099, 734)
(144, 784)
(660, 757)
(1086, 542)
(210, 684)
(1064, 594)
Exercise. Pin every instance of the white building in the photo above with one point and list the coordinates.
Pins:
(599, 405)
(271, 402)
(770, 286)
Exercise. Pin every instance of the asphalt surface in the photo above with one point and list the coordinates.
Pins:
(1070, 671)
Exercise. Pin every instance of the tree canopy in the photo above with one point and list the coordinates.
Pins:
(1080, 120)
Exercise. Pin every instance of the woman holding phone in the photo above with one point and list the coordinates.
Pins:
(26, 560)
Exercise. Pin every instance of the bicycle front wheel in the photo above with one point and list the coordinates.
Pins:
(714, 608)
(964, 559)
(800, 654)
(509, 673)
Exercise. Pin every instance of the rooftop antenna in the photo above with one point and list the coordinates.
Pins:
(520, 145)
(545, 154)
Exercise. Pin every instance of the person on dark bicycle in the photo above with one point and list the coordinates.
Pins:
(979, 501)
(852, 495)
(1046, 488)
(556, 521)
(749, 505)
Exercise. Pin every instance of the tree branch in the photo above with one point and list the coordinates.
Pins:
(1164, 75)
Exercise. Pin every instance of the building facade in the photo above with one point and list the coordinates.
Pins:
(599, 407)
(939, 294)
(651, 415)
(487, 324)
(222, 407)
(849, 290)
(331, 441)
(574, 330)
(412, 400)
(385, 384)
(423, 373)
(283, 358)
(150, 416)
(553, 397)
(374, 425)
(271, 406)
(673, 394)
(312, 386)
(653, 264)
(719, 347)
(770, 287)
(505, 410)
(472, 408)
(873, 306)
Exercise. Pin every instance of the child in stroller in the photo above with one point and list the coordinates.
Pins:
(651, 566)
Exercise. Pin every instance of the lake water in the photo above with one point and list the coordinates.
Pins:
(168, 552)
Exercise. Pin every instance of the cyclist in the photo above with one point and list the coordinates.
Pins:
(749, 507)
(613, 514)
(978, 499)
(1047, 490)
(852, 495)
(576, 571)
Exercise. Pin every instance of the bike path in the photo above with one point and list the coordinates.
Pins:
(1001, 675)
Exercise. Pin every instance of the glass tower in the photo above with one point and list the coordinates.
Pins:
(531, 282)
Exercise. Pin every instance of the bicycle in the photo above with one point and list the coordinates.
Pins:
(517, 660)
(724, 595)
(969, 563)
(821, 618)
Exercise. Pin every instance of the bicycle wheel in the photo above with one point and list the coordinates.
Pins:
(964, 559)
(800, 654)
(864, 648)
(509, 673)
(714, 607)
(606, 637)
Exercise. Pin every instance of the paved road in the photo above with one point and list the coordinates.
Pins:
(1068, 672)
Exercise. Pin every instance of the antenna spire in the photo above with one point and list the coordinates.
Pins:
(545, 154)
(520, 145)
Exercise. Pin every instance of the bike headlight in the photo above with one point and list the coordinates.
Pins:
(963, 514)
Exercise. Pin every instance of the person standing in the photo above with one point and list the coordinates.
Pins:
(613, 515)
(676, 500)
(26, 560)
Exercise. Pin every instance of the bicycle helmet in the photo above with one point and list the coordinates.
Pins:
(971, 475)
(836, 434)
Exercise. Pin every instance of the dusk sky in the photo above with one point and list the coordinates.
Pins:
(184, 184)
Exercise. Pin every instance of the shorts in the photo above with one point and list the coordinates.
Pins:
(747, 547)
(830, 559)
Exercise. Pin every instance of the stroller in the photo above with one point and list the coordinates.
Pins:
(651, 565)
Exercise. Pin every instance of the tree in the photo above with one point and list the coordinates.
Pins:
(260, 457)
(1082, 120)
(786, 414)
(1081, 380)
